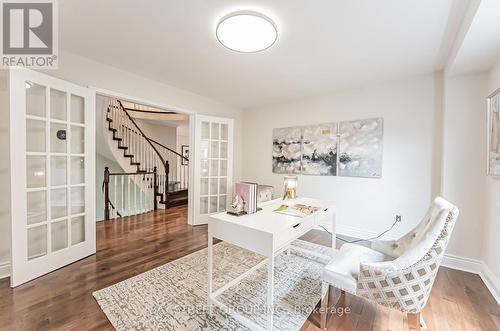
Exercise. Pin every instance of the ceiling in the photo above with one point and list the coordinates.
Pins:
(322, 44)
(480, 48)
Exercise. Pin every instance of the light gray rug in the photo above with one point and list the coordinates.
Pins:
(174, 296)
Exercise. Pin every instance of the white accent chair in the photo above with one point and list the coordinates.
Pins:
(398, 273)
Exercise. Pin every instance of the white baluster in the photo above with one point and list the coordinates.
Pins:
(121, 193)
(135, 194)
(114, 194)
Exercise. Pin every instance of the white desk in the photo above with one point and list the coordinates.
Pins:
(267, 233)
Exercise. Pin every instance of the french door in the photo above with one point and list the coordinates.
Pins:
(52, 152)
(213, 166)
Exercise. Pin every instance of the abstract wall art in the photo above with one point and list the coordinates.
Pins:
(494, 134)
(360, 148)
(319, 149)
(350, 149)
(287, 152)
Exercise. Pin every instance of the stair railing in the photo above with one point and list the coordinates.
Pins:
(132, 193)
(178, 164)
(136, 145)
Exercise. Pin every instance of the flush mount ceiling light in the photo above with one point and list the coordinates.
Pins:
(246, 31)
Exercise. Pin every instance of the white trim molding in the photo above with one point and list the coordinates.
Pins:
(4, 270)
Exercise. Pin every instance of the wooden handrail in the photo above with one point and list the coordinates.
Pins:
(151, 111)
(171, 150)
(139, 129)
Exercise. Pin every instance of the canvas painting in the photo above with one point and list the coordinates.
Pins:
(494, 135)
(319, 149)
(360, 148)
(287, 150)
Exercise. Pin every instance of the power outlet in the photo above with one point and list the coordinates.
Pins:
(398, 218)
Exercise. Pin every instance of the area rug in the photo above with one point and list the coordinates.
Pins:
(174, 296)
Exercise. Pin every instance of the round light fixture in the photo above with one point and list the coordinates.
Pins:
(246, 31)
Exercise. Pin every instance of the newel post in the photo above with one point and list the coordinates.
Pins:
(155, 189)
(167, 170)
(106, 193)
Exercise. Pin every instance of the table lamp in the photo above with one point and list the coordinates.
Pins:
(290, 188)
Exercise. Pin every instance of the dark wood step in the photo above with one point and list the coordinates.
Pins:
(122, 147)
(128, 155)
(177, 194)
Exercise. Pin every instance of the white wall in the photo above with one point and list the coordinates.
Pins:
(491, 246)
(365, 206)
(464, 159)
(166, 135)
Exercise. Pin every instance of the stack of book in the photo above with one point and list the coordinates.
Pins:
(248, 192)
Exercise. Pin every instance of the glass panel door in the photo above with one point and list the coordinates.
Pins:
(213, 165)
(52, 162)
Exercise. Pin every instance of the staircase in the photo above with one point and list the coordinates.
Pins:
(146, 156)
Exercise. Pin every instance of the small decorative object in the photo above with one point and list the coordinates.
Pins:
(61, 134)
(290, 188)
(265, 193)
(185, 153)
(237, 206)
(298, 210)
(494, 134)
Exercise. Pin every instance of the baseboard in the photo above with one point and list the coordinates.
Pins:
(462, 263)
(491, 281)
(4, 270)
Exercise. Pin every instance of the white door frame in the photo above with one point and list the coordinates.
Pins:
(22, 269)
(192, 120)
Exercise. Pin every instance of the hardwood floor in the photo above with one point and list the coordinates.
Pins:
(62, 300)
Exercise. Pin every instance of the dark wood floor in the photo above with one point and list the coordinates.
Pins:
(62, 300)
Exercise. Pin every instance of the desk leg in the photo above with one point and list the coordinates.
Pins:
(270, 292)
(210, 271)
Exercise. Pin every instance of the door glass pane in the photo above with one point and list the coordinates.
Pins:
(57, 105)
(35, 99)
(223, 131)
(77, 140)
(37, 207)
(59, 231)
(214, 168)
(214, 133)
(203, 205)
(204, 168)
(77, 200)
(35, 171)
(58, 138)
(205, 130)
(222, 185)
(222, 203)
(58, 202)
(213, 186)
(77, 170)
(214, 149)
(223, 168)
(223, 150)
(58, 170)
(212, 208)
(37, 242)
(35, 136)
(77, 230)
(77, 109)
(204, 186)
(204, 149)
